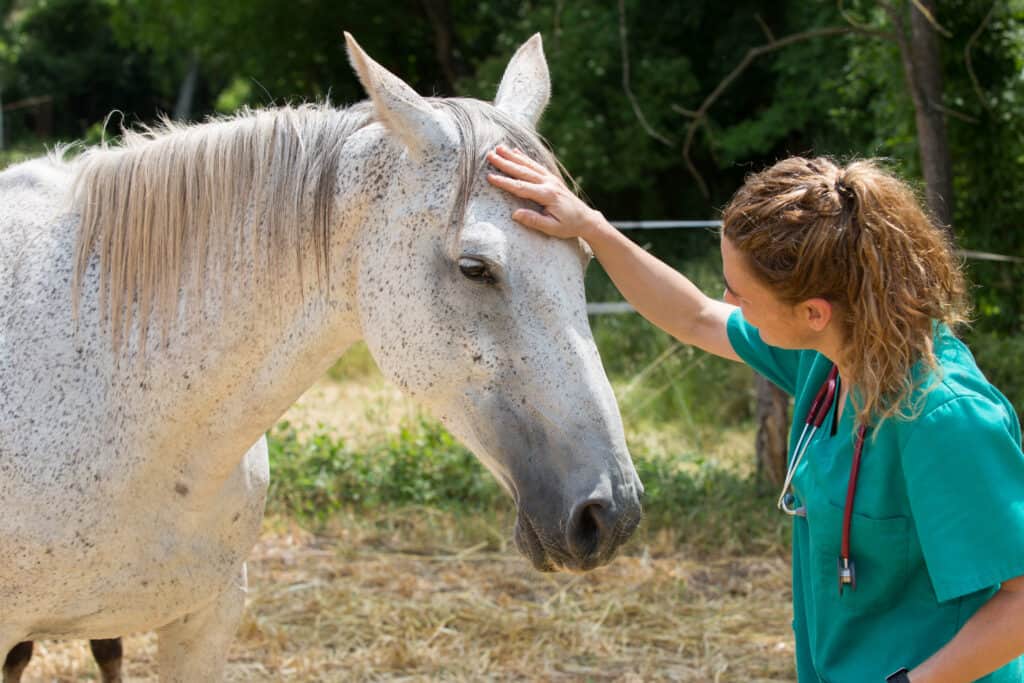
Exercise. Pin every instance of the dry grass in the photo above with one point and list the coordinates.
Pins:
(390, 600)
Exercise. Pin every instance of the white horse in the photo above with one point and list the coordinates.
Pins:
(165, 301)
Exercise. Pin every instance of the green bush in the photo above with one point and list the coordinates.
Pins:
(313, 477)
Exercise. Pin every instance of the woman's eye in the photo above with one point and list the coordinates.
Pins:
(475, 270)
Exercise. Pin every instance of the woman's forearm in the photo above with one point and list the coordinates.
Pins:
(658, 292)
(990, 639)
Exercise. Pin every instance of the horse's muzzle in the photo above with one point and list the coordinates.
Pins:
(590, 536)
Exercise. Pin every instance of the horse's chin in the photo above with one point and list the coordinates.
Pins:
(529, 544)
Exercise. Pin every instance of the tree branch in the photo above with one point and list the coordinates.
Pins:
(840, 5)
(439, 14)
(927, 14)
(625, 81)
(967, 55)
(955, 114)
(698, 117)
(764, 27)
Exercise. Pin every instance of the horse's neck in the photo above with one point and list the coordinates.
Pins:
(228, 372)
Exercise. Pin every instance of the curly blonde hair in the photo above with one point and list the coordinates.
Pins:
(858, 237)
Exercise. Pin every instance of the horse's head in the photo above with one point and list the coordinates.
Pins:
(485, 321)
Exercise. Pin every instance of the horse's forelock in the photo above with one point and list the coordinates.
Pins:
(481, 127)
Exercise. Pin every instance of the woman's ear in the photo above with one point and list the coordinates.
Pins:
(817, 313)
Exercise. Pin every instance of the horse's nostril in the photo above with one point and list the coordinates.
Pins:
(587, 524)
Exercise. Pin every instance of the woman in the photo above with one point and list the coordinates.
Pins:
(839, 288)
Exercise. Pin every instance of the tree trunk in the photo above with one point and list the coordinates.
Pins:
(772, 431)
(186, 94)
(922, 63)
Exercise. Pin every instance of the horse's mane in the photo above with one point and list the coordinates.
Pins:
(178, 194)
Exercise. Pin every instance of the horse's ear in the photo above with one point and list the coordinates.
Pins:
(401, 109)
(526, 86)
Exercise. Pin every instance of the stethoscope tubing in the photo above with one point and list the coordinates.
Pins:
(820, 407)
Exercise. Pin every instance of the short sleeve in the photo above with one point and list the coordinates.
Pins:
(780, 366)
(964, 473)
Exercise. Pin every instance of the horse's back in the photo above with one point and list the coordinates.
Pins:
(34, 211)
(37, 176)
(32, 194)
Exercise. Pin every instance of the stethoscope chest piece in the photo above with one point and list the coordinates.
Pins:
(790, 504)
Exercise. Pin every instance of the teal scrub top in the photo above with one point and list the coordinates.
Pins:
(938, 518)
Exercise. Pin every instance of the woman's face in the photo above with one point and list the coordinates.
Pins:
(779, 323)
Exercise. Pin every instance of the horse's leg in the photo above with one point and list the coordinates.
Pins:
(17, 660)
(108, 655)
(195, 647)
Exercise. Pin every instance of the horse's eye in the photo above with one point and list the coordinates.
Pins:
(475, 270)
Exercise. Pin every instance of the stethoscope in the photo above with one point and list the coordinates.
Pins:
(819, 409)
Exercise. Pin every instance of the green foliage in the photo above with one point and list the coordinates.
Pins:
(21, 151)
(1001, 358)
(357, 363)
(711, 508)
(590, 121)
(989, 160)
(315, 476)
(237, 94)
(66, 50)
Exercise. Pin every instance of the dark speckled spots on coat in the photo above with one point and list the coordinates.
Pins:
(181, 489)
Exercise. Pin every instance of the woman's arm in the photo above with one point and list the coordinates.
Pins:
(990, 639)
(656, 291)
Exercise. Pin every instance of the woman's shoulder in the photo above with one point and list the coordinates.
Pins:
(957, 390)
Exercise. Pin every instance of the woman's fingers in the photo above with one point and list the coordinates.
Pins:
(513, 168)
(523, 159)
(537, 221)
(521, 188)
(527, 179)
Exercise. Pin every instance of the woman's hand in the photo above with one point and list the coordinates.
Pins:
(658, 292)
(563, 214)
